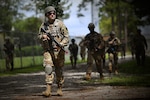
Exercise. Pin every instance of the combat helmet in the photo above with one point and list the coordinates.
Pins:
(91, 25)
(49, 8)
(72, 40)
(112, 33)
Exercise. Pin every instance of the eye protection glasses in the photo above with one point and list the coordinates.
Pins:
(50, 13)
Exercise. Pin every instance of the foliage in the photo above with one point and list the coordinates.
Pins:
(61, 7)
(141, 10)
(117, 12)
(9, 10)
(27, 30)
(29, 51)
(30, 24)
(123, 13)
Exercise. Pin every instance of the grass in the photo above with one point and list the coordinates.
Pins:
(130, 75)
(29, 67)
(23, 62)
(128, 80)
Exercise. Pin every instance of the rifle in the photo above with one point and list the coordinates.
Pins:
(52, 38)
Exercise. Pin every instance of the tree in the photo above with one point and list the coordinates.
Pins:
(83, 6)
(141, 10)
(27, 29)
(8, 12)
(61, 6)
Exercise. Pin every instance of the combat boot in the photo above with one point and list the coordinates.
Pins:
(101, 77)
(47, 92)
(116, 72)
(88, 76)
(59, 91)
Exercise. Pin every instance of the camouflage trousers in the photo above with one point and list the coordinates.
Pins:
(56, 60)
(9, 62)
(113, 61)
(94, 56)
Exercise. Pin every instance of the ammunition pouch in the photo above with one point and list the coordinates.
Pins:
(112, 49)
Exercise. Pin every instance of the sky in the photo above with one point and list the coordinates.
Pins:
(76, 26)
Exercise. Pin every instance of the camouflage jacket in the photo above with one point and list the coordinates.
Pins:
(73, 48)
(9, 48)
(113, 45)
(140, 42)
(57, 30)
(94, 41)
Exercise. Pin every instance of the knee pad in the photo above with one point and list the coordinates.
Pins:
(110, 66)
(111, 56)
(48, 69)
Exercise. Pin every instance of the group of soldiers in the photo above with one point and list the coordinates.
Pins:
(54, 36)
(97, 47)
(54, 53)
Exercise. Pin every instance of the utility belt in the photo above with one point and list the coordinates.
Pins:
(112, 49)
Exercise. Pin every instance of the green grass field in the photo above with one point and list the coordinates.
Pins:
(26, 62)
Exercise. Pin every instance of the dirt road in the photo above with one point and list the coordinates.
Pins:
(30, 86)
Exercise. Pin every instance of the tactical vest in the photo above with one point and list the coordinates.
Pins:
(55, 31)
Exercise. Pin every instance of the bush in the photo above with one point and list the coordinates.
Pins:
(29, 51)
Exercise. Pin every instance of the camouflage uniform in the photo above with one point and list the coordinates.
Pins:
(131, 44)
(73, 48)
(113, 45)
(9, 49)
(82, 49)
(95, 45)
(140, 44)
(53, 55)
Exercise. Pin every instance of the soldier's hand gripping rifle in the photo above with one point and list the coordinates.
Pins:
(52, 38)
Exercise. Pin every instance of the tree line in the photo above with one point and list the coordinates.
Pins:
(122, 16)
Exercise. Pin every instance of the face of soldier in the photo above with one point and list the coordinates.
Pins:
(51, 15)
(91, 29)
(112, 36)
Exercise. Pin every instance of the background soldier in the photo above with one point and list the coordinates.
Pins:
(73, 48)
(82, 49)
(9, 50)
(131, 44)
(140, 44)
(113, 44)
(95, 45)
(53, 50)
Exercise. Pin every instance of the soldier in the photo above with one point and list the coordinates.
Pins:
(73, 48)
(95, 45)
(9, 50)
(82, 49)
(113, 44)
(131, 45)
(122, 48)
(140, 44)
(53, 41)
